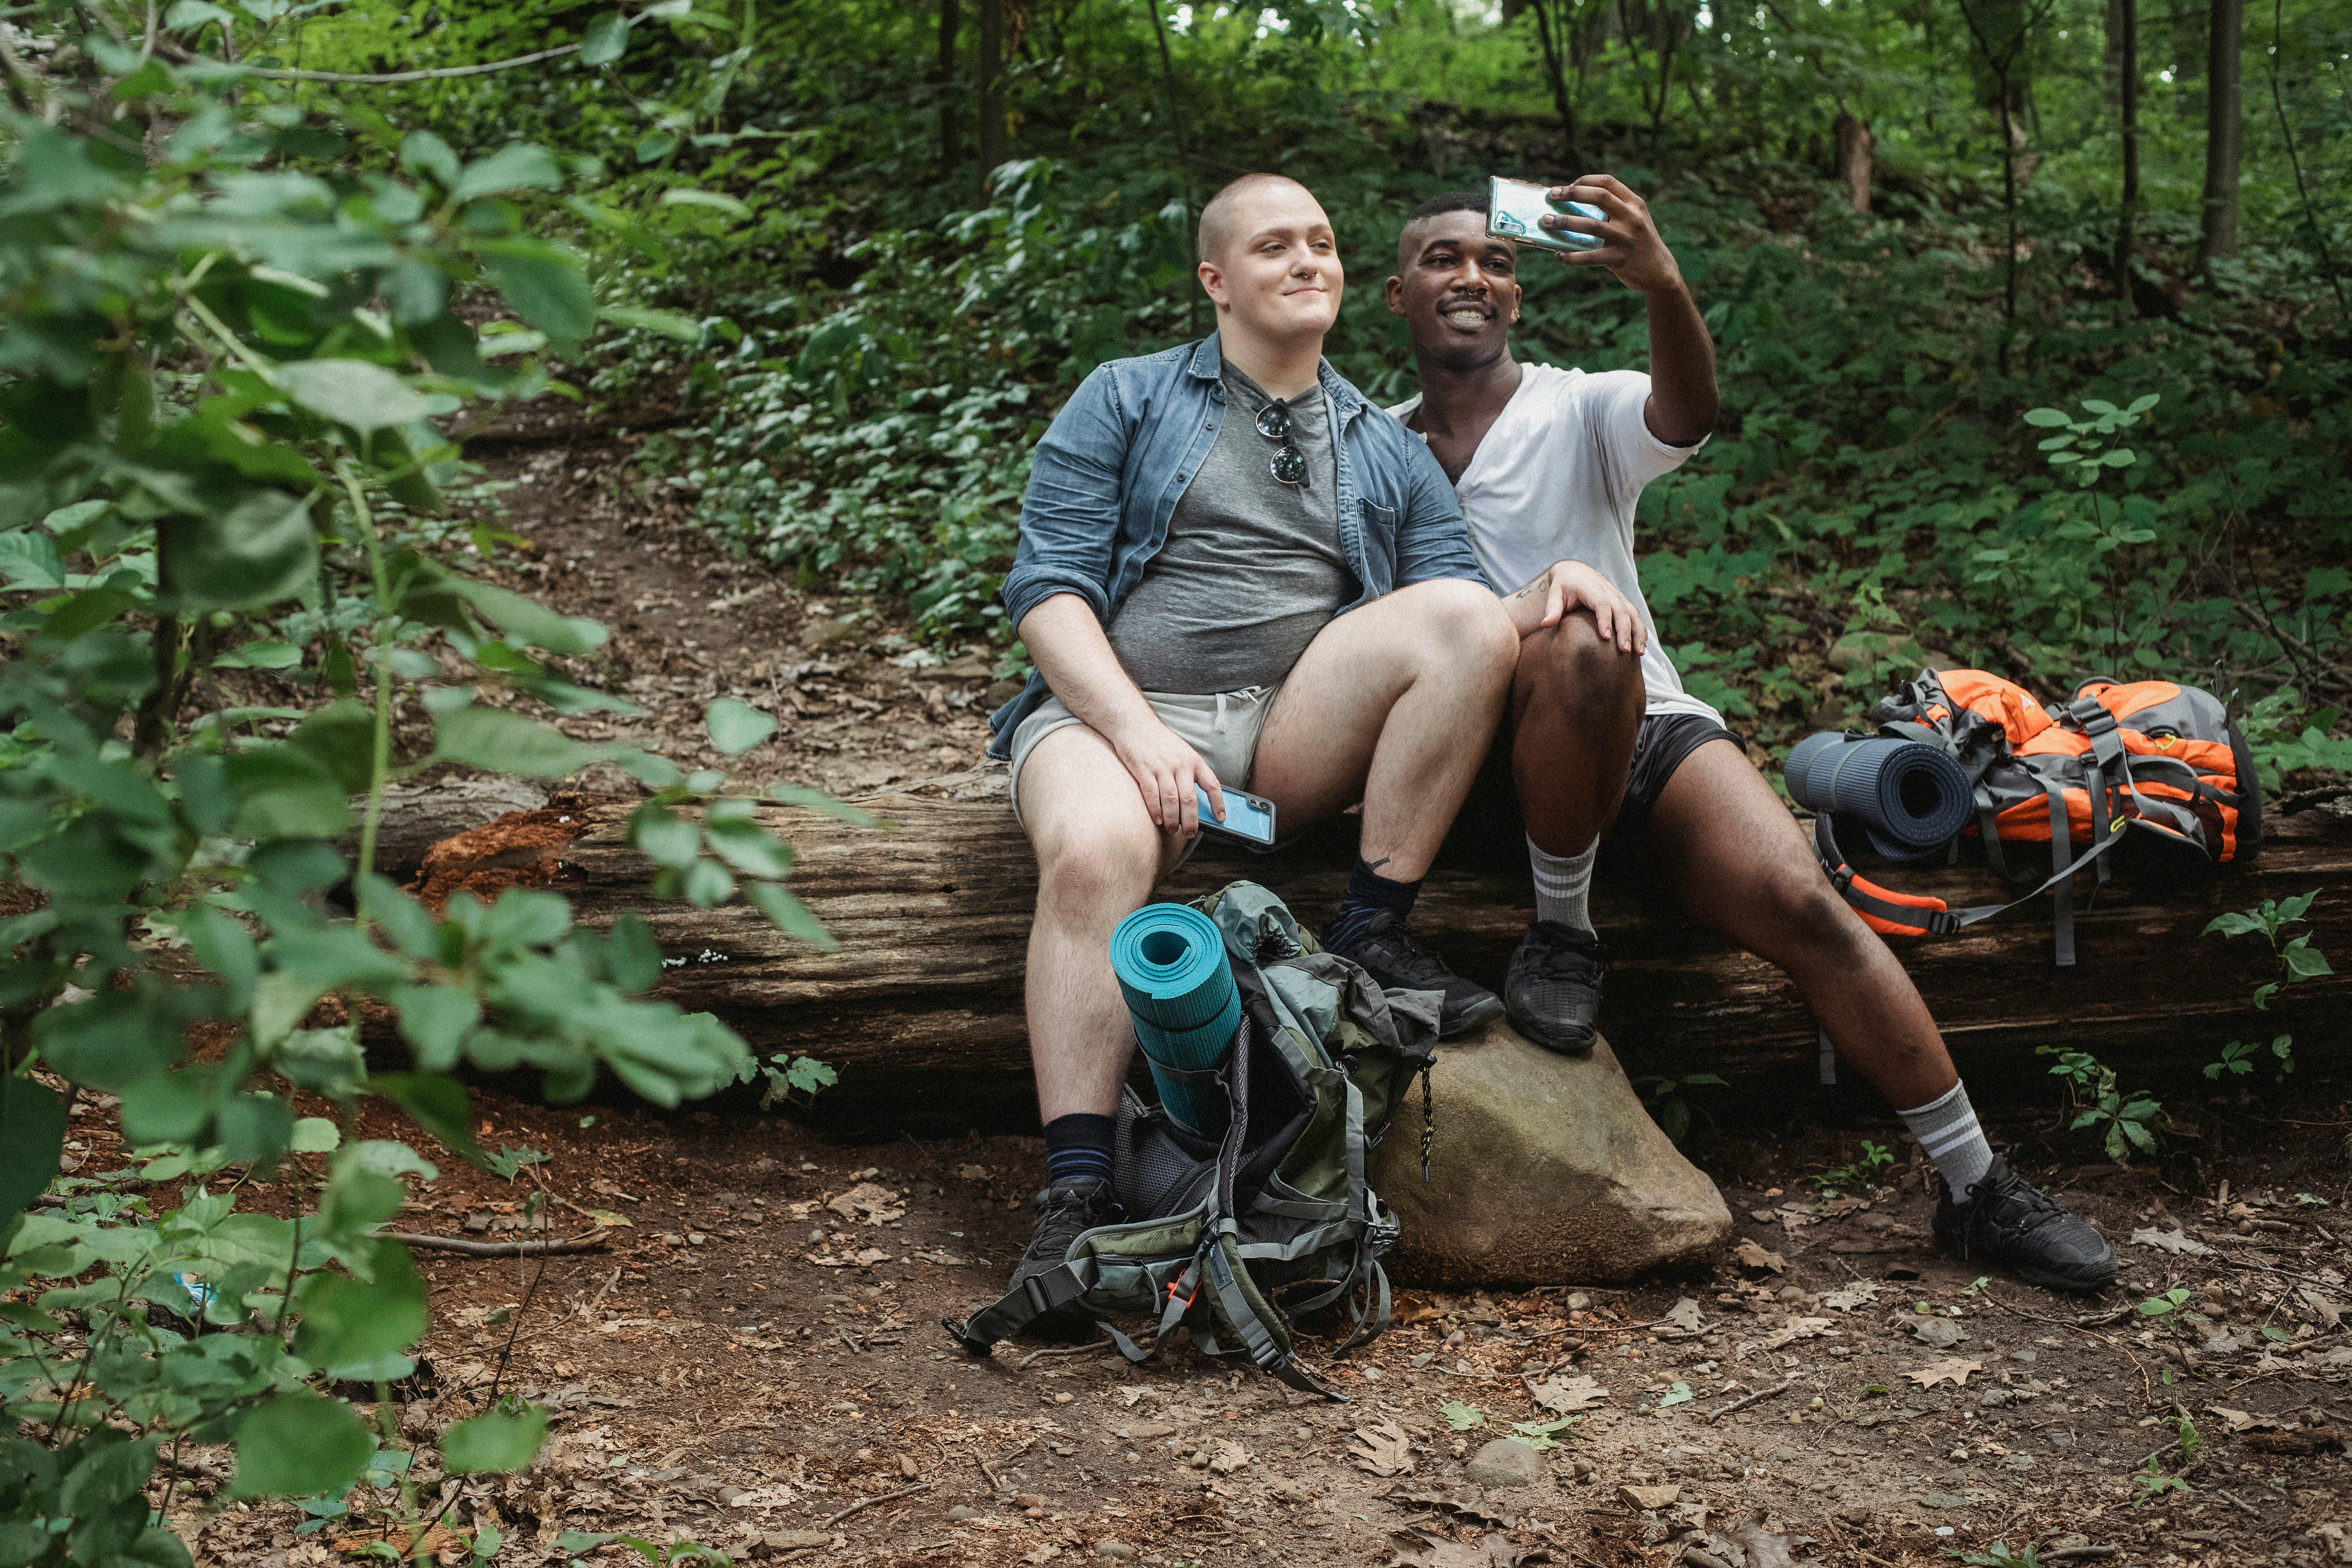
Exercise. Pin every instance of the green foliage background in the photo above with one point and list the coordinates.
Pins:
(896, 328)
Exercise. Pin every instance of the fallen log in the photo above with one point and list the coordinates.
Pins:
(932, 913)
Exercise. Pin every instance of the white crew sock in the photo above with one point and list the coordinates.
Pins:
(1562, 882)
(1947, 1129)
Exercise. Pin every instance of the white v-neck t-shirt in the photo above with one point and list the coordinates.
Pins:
(1556, 479)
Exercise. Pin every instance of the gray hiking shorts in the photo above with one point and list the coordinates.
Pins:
(1223, 727)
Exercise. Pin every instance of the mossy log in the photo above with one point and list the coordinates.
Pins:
(932, 911)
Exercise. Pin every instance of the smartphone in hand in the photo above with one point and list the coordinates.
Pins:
(1515, 210)
(1248, 817)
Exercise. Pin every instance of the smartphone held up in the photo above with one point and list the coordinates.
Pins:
(1516, 210)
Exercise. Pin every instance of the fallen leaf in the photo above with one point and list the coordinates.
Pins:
(944, 1257)
(1767, 1548)
(972, 1172)
(1129, 1392)
(2175, 1240)
(1755, 1257)
(1847, 1298)
(1564, 1395)
(1798, 1329)
(1230, 1456)
(1938, 1333)
(1953, 1371)
(1383, 1450)
(870, 1200)
(1685, 1316)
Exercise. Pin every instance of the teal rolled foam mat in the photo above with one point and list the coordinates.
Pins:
(1170, 963)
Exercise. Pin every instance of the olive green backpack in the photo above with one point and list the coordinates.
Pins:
(1228, 1238)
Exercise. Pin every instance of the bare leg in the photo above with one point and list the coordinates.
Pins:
(1098, 855)
(1576, 711)
(1739, 863)
(1392, 704)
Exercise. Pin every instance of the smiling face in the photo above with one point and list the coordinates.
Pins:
(1269, 261)
(1457, 288)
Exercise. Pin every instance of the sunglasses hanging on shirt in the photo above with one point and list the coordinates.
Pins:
(1289, 464)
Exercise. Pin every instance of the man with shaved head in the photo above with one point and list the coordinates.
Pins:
(1607, 752)
(1234, 571)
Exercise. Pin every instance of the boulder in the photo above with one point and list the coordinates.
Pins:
(1546, 1170)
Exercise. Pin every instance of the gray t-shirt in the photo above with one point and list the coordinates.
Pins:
(1252, 568)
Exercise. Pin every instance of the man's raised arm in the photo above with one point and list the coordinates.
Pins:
(1683, 400)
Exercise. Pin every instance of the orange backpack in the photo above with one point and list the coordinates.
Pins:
(2152, 764)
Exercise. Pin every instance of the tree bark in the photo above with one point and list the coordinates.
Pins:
(2127, 52)
(2224, 132)
(932, 916)
(1856, 146)
(950, 133)
(992, 87)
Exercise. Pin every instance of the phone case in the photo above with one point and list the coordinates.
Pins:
(1229, 829)
(1514, 208)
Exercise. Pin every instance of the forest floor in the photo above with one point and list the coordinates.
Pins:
(755, 1361)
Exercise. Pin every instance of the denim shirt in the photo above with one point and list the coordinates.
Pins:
(1110, 469)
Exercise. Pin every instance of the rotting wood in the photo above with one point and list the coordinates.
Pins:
(932, 914)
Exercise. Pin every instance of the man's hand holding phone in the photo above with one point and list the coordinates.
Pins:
(1166, 770)
(1630, 244)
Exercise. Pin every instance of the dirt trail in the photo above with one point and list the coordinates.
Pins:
(756, 1363)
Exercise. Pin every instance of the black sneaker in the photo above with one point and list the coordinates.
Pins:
(1074, 1206)
(2009, 1221)
(1553, 990)
(1394, 956)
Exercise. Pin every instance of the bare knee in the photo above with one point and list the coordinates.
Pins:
(1573, 667)
(1466, 625)
(1812, 919)
(1099, 870)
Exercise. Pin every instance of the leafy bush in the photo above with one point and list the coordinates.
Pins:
(225, 356)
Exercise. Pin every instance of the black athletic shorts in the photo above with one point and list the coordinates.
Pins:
(1490, 830)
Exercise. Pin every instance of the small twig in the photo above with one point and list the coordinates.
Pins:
(869, 1502)
(994, 1479)
(1086, 1348)
(2077, 1554)
(2238, 1502)
(472, 1249)
(1747, 1400)
(2090, 1321)
(379, 78)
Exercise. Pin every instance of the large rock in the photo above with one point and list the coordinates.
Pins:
(1546, 1170)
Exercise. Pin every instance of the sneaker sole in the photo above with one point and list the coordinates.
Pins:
(1478, 1016)
(2048, 1278)
(1577, 1044)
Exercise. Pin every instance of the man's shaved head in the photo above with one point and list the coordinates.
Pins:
(1217, 218)
(1409, 240)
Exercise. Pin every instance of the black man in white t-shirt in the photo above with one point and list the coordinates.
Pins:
(1603, 741)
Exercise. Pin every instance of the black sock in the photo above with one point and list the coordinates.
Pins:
(1079, 1144)
(1368, 893)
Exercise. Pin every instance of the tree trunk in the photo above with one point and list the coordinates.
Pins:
(1855, 145)
(2224, 132)
(1553, 20)
(992, 87)
(2126, 51)
(951, 136)
(933, 917)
